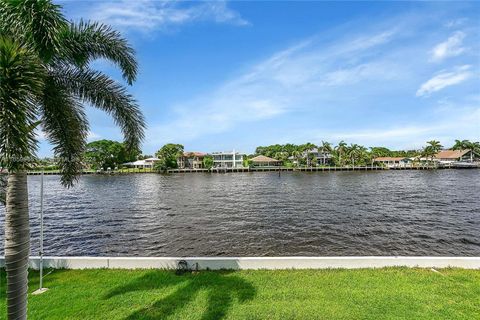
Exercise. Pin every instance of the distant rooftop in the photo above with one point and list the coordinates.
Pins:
(264, 159)
(451, 154)
(194, 153)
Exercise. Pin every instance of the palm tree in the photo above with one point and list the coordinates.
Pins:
(45, 77)
(353, 152)
(459, 144)
(282, 156)
(325, 148)
(297, 155)
(341, 149)
(435, 145)
(433, 148)
(466, 145)
(429, 153)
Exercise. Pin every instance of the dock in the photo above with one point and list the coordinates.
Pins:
(315, 169)
(263, 169)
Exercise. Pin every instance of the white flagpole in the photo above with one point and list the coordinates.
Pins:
(41, 233)
(41, 289)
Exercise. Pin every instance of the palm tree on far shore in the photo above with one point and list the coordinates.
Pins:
(45, 78)
(435, 145)
(297, 155)
(467, 145)
(340, 150)
(325, 148)
(432, 148)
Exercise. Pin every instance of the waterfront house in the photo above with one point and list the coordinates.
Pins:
(263, 161)
(449, 156)
(144, 164)
(390, 162)
(191, 160)
(323, 158)
(227, 159)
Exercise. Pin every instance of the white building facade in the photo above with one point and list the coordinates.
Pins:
(229, 159)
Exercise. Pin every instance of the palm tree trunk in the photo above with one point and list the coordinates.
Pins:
(17, 245)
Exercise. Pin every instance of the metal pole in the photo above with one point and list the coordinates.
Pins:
(41, 289)
(41, 232)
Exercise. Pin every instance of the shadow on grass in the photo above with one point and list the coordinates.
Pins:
(222, 288)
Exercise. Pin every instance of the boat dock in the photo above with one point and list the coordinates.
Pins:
(263, 169)
(317, 169)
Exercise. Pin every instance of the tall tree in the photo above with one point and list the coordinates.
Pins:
(207, 162)
(340, 151)
(168, 156)
(435, 145)
(432, 148)
(473, 147)
(104, 154)
(325, 148)
(45, 77)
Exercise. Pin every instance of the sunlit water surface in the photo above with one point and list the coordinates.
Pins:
(261, 214)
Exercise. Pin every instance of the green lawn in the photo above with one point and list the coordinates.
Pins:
(391, 293)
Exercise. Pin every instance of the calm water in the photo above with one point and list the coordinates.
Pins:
(261, 214)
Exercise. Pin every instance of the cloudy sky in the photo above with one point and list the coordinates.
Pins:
(223, 75)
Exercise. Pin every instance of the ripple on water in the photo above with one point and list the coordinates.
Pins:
(342, 213)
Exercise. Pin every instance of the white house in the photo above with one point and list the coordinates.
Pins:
(393, 161)
(145, 163)
(229, 159)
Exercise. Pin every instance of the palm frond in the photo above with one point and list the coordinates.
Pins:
(10, 22)
(37, 21)
(104, 93)
(66, 128)
(87, 41)
(21, 83)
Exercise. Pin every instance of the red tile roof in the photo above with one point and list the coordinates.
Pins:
(194, 153)
(451, 154)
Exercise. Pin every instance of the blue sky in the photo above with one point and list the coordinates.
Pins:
(223, 75)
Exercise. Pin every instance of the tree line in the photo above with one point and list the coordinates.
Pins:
(352, 154)
(104, 154)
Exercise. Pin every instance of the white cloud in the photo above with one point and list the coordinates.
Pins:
(456, 22)
(283, 83)
(445, 79)
(93, 136)
(443, 126)
(450, 48)
(147, 15)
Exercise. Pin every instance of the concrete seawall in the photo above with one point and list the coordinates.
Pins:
(252, 263)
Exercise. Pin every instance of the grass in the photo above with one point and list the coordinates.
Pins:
(390, 293)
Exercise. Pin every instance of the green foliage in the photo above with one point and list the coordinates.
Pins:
(341, 154)
(144, 156)
(283, 151)
(103, 154)
(208, 162)
(21, 83)
(432, 148)
(466, 145)
(46, 77)
(247, 162)
(168, 156)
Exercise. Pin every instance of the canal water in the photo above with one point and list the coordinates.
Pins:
(406, 213)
